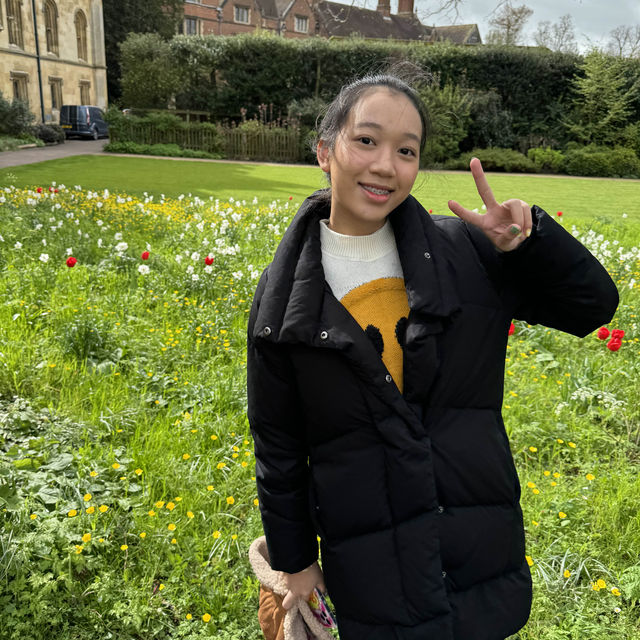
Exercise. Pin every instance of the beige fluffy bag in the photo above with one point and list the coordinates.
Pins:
(298, 623)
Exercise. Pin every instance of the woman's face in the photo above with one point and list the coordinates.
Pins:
(374, 162)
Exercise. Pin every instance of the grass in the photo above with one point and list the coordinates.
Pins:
(126, 463)
(577, 197)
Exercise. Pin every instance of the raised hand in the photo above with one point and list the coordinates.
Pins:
(507, 225)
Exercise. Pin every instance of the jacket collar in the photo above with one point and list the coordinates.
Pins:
(292, 303)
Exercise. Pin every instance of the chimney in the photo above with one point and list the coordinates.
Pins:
(384, 7)
(405, 8)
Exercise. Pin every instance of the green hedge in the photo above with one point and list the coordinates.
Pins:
(593, 160)
(495, 159)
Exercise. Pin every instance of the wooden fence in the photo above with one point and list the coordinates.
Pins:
(199, 139)
(270, 145)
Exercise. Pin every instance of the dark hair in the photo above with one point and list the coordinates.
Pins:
(398, 78)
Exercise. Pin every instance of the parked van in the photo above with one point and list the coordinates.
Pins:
(84, 121)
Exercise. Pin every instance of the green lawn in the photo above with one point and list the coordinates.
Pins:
(127, 475)
(575, 197)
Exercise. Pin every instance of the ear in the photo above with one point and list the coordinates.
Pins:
(322, 153)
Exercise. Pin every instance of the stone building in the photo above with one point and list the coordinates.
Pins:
(52, 53)
(303, 18)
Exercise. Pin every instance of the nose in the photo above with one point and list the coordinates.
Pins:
(383, 162)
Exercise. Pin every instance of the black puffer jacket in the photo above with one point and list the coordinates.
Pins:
(415, 496)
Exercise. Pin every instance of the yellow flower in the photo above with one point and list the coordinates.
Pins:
(103, 508)
(221, 465)
(185, 456)
(595, 587)
(535, 523)
(572, 444)
(536, 491)
(533, 449)
(553, 483)
(230, 500)
(72, 513)
(152, 513)
(615, 591)
(234, 536)
(159, 504)
(171, 527)
(590, 476)
(529, 560)
(174, 541)
(115, 465)
(143, 534)
(210, 487)
(601, 583)
(531, 485)
(79, 548)
(171, 506)
(214, 437)
(33, 516)
(556, 474)
(189, 514)
(138, 472)
(547, 473)
(560, 441)
(93, 474)
(124, 547)
(90, 510)
(86, 537)
(216, 534)
(255, 502)
(189, 616)
(567, 573)
(562, 514)
(235, 455)
(206, 617)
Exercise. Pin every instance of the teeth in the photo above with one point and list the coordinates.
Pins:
(379, 192)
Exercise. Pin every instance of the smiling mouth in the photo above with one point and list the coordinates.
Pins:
(379, 191)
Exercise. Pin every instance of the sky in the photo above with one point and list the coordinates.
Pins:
(593, 19)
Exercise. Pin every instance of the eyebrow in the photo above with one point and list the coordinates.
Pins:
(375, 125)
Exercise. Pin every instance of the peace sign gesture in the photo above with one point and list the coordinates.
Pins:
(507, 225)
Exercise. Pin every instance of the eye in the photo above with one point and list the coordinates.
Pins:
(365, 140)
(407, 152)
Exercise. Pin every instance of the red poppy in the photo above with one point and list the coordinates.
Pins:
(614, 345)
(603, 333)
(145, 255)
(39, 189)
(559, 213)
(512, 329)
(290, 197)
(208, 260)
(617, 334)
(71, 261)
(55, 191)
(430, 210)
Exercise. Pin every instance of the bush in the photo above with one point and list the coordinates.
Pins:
(495, 159)
(168, 150)
(604, 162)
(489, 123)
(15, 117)
(546, 159)
(52, 133)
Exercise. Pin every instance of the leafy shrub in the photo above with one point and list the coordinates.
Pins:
(9, 143)
(16, 118)
(53, 133)
(495, 159)
(490, 125)
(169, 150)
(546, 159)
(594, 160)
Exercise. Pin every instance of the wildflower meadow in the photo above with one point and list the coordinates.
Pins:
(127, 487)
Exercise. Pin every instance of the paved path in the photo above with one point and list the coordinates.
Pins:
(39, 154)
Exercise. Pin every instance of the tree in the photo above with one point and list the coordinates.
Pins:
(559, 36)
(508, 23)
(150, 76)
(122, 17)
(624, 41)
(602, 108)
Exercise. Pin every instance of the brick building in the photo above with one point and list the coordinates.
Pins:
(60, 62)
(303, 18)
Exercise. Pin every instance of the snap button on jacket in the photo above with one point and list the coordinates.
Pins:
(414, 495)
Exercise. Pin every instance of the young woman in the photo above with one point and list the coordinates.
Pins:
(376, 347)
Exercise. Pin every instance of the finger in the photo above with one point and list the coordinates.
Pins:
(517, 217)
(288, 601)
(465, 214)
(322, 587)
(528, 219)
(481, 183)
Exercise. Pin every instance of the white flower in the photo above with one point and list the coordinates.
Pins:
(195, 276)
(1, 239)
(44, 242)
(208, 268)
(617, 609)
(143, 269)
(624, 215)
(117, 236)
(237, 275)
(99, 223)
(17, 245)
(190, 269)
(178, 258)
(100, 242)
(121, 246)
(69, 251)
(44, 257)
(195, 256)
